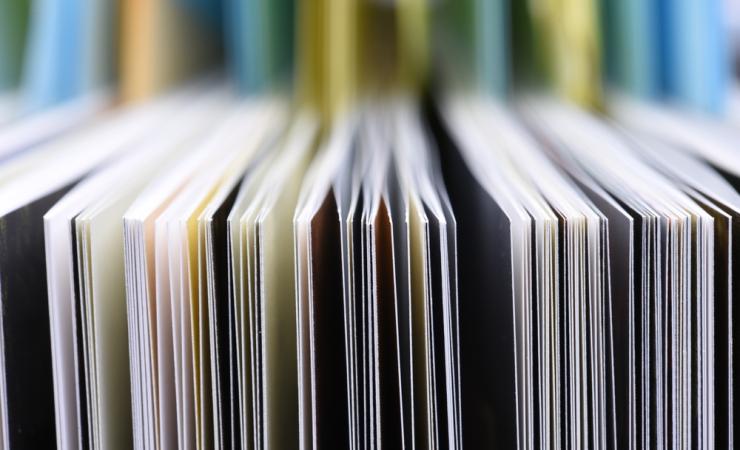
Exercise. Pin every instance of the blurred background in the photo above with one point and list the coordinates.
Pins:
(329, 53)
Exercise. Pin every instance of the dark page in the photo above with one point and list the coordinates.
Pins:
(387, 325)
(82, 396)
(331, 403)
(218, 297)
(25, 326)
(485, 303)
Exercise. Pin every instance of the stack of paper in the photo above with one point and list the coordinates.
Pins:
(367, 224)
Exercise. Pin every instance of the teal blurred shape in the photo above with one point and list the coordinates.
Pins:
(259, 43)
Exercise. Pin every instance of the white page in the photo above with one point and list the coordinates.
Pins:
(252, 140)
(274, 206)
(586, 222)
(669, 214)
(235, 158)
(172, 274)
(240, 284)
(25, 132)
(140, 220)
(61, 308)
(414, 150)
(58, 241)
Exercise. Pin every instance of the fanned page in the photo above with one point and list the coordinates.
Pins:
(369, 224)
(673, 227)
(272, 289)
(58, 172)
(596, 256)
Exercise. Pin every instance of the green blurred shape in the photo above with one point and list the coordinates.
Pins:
(472, 37)
(13, 26)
